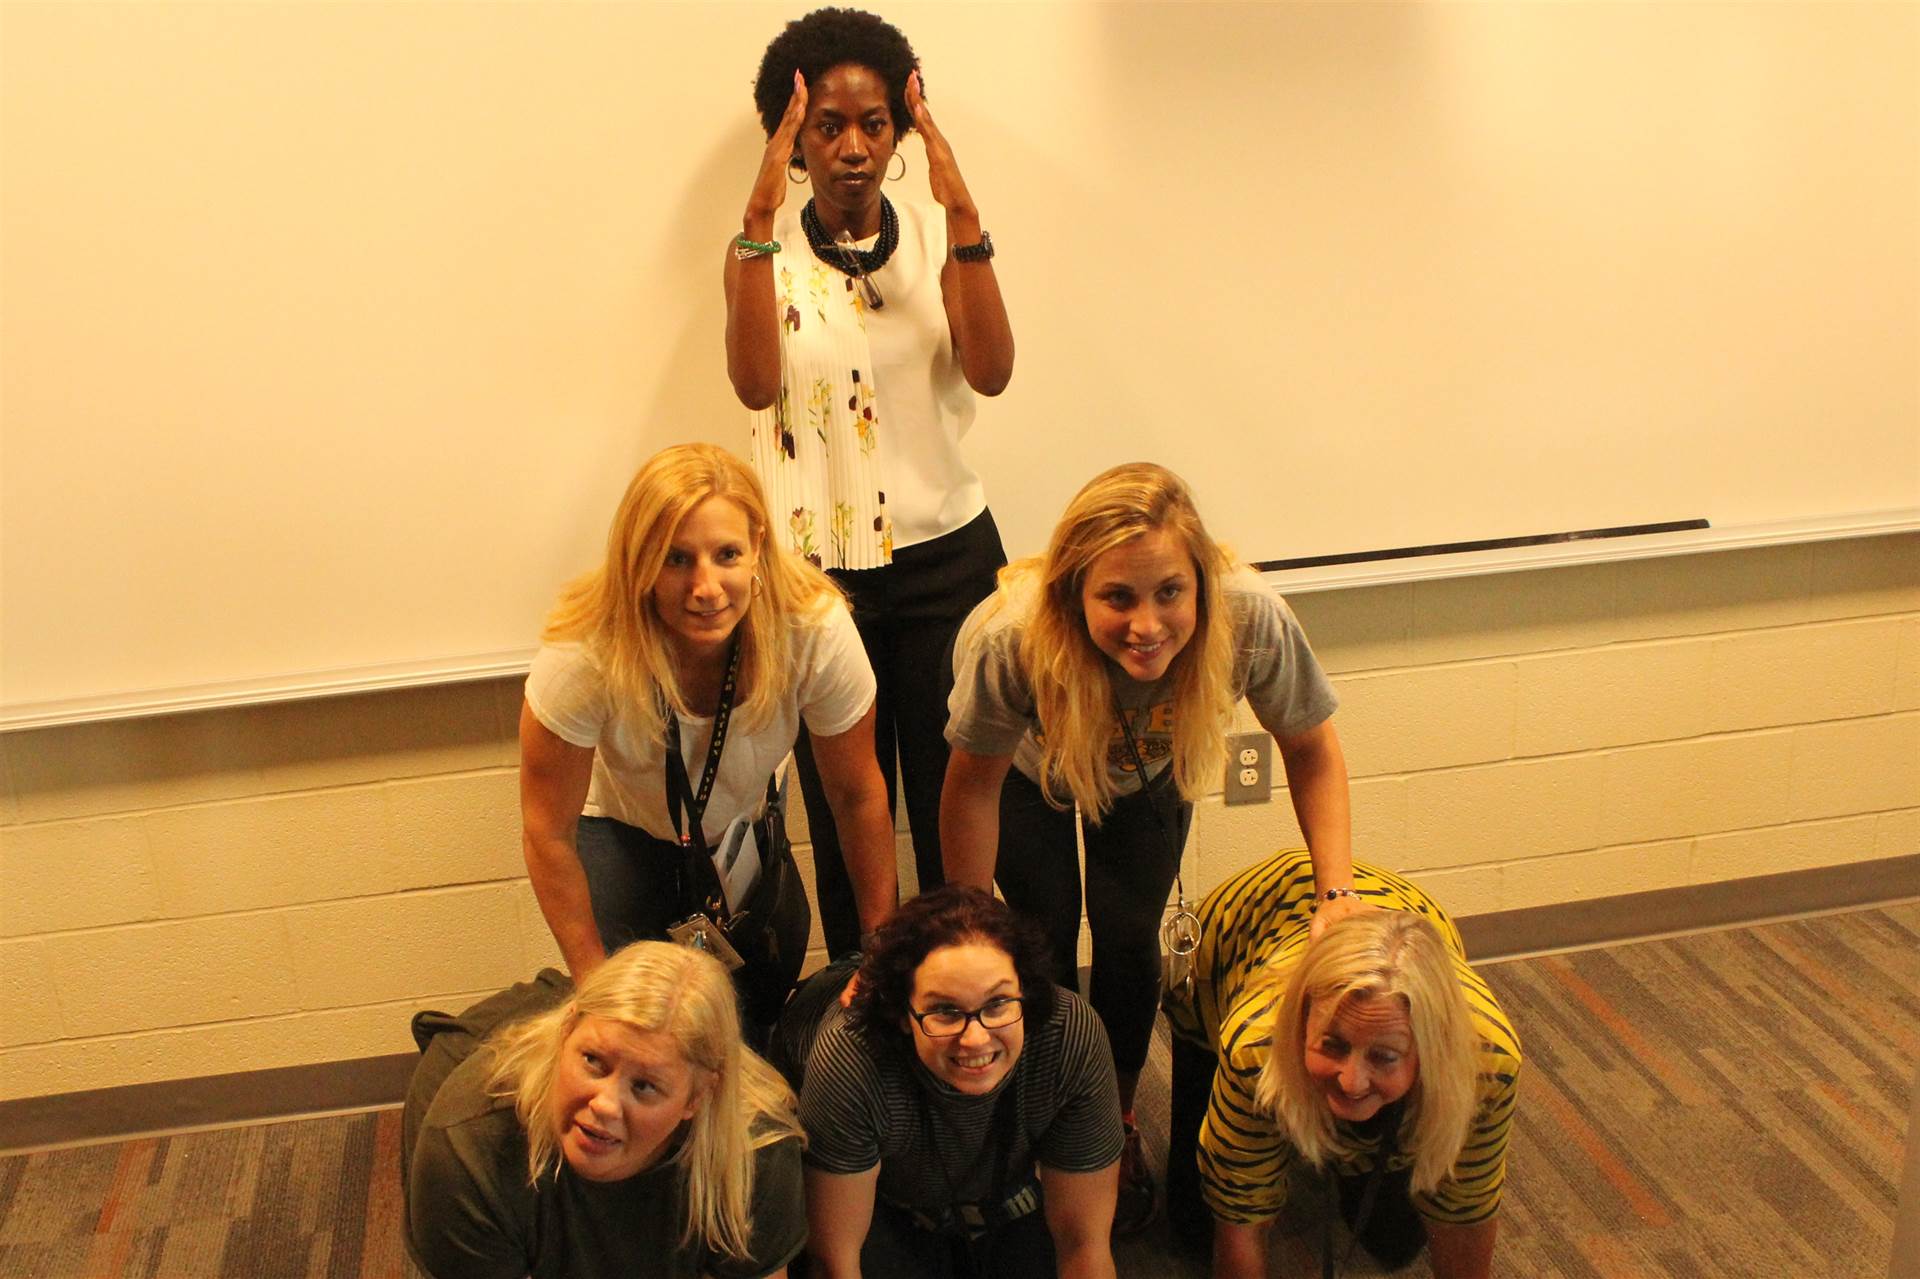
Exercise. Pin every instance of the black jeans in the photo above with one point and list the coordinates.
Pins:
(1393, 1232)
(907, 613)
(1131, 861)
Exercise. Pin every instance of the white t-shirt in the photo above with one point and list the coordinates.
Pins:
(925, 401)
(832, 688)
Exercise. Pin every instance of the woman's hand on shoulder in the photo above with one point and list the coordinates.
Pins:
(1339, 908)
(770, 184)
(943, 172)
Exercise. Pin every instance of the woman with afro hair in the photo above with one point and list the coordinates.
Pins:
(859, 329)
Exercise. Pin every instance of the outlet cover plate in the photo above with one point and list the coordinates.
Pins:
(1260, 789)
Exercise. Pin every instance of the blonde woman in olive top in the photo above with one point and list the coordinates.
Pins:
(1372, 1046)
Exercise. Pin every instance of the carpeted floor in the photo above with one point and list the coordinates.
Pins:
(1727, 1104)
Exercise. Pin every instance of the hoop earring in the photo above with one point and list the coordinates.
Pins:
(754, 587)
(895, 177)
(799, 166)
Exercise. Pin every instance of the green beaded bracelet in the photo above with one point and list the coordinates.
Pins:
(743, 248)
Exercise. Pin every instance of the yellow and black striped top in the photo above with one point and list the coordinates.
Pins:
(1253, 928)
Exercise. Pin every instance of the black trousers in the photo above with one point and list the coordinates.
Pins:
(1131, 862)
(1393, 1232)
(907, 613)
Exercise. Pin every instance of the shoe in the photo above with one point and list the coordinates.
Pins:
(1139, 1199)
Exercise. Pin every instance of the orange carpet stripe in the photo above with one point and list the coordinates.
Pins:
(1680, 1081)
(1817, 968)
(129, 1179)
(382, 1255)
(1638, 1197)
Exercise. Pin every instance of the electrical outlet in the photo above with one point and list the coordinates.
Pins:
(1249, 769)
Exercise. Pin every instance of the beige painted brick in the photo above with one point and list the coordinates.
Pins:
(1616, 696)
(278, 851)
(368, 737)
(1456, 618)
(1356, 628)
(1856, 766)
(27, 994)
(1897, 834)
(1466, 890)
(384, 948)
(1712, 591)
(1855, 577)
(1434, 717)
(1502, 812)
(148, 975)
(1801, 674)
(1599, 872)
(267, 1043)
(1906, 678)
(1259, 830)
(452, 830)
(1696, 787)
(1771, 850)
(84, 770)
(74, 874)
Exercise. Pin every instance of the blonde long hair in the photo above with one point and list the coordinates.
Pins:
(1072, 690)
(1380, 954)
(685, 995)
(611, 610)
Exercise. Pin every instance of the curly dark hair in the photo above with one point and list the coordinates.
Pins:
(828, 38)
(948, 916)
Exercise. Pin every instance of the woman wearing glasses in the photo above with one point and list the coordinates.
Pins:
(859, 329)
(961, 1116)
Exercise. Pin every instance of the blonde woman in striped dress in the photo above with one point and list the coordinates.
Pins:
(1373, 1054)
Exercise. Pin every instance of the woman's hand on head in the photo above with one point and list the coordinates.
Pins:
(770, 185)
(943, 172)
(1328, 912)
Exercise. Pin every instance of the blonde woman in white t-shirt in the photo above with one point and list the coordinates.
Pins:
(690, 574)
(860, 342)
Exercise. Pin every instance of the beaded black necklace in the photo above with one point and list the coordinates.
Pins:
(843, 259)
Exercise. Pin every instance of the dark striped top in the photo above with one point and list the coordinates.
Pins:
(863, 1104)
(1253, 929)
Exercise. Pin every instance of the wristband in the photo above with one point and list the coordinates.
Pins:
(980, 252)
(746, 249)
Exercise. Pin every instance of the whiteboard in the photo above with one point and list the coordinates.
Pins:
(331, 332)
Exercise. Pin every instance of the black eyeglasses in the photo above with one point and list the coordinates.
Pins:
(945, 1023)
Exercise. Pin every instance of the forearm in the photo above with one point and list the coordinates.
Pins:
(1086, 1260)
(753, 327)
(866, 840)
(976, 313)
(1239, 1251)
(835, 1265)
(1317, 781)
(1462, 1252)
(969, 836)
(560, 885)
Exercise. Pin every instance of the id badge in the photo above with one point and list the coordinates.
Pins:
(702, 933)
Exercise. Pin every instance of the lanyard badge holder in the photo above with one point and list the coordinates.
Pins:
(701, 929)
(1180, 935)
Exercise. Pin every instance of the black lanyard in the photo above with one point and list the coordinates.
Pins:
(679, 792)
(1153, 800)
(1389, 1142)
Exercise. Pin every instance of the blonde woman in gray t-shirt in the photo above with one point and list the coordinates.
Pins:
(1123, 651)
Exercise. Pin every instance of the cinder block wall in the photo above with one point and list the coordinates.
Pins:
(285, 885)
